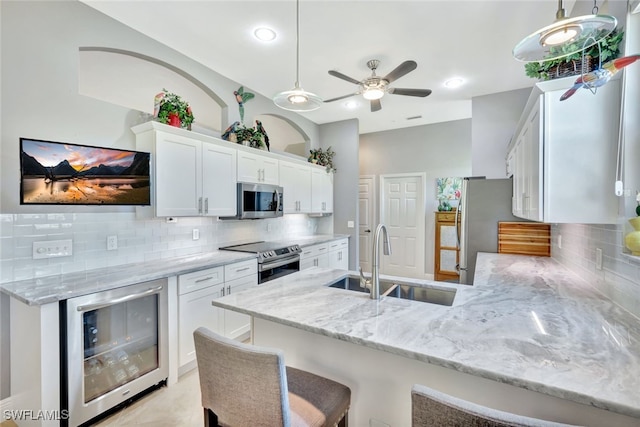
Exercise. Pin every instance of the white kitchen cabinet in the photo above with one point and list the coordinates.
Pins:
(339, 254)
(295, 179)
(257, 168)
(195, 293)
(192, 174)
(527, 153)
(321, 191)
(314, 256)
(238, 277)
(563, 155)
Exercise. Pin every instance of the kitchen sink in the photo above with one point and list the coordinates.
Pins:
(417, 293)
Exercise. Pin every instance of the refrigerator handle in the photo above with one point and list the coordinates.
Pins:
(461, 231)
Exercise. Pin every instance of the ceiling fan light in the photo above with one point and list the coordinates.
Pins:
(373, 93)
(563, 34)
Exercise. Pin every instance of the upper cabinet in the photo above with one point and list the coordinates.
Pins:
(192, 174)
(321, 190)
(563, 155)
(257, 168)
(295, 179)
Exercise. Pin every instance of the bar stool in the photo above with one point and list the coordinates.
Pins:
(247, 385)
(431, 408)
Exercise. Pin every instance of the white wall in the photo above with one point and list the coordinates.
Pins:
(494, 118)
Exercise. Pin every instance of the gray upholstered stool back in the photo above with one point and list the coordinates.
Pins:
(244, 385)
(431, 408)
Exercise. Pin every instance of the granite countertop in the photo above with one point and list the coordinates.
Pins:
(44, 290)
(527, 321)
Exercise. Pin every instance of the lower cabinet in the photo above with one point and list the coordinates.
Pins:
(334, 254)
(339, 254)
(314, 256)
(238, 277)
(196, 291)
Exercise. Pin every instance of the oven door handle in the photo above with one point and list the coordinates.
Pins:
(113, 301)
(279, 263)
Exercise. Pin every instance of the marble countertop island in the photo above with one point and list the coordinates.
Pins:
(527, 321)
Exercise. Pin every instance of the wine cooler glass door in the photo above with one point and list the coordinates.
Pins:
(122, 341)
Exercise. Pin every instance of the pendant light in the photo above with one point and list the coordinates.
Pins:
(297, 99)
(565, 36)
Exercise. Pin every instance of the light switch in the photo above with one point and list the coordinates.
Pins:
(52, 249)
(350, 224)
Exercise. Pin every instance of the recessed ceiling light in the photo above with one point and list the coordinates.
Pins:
(351, 104)
(454, 82)
(264, 34)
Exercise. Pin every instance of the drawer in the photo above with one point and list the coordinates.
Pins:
(241, 269)
(315, 250)
(446, 216)
(200, 279)
(338, 244)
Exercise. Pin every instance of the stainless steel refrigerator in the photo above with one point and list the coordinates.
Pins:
(483, 202)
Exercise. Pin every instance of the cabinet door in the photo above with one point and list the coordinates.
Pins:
(339, 259)
(534, 160)
(249, 167)
(195, 310)
(238, 324)
(321, 191)
(178, 175)
(253, 167)
(218, 180)
(270, 170)
(288, 183)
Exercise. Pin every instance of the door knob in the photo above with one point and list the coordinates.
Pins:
(367, 231)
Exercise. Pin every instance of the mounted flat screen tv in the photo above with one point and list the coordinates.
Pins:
(59, 173)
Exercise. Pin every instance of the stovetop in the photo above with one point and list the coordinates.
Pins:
(266, 251)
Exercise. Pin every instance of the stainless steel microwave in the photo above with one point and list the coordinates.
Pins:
(257, 201)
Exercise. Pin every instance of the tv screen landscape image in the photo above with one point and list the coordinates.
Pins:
(71, 174)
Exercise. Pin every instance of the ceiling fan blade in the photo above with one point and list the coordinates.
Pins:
(409, 92)
(375, 105)
(343, 77)
(341, 97)
(401, 70)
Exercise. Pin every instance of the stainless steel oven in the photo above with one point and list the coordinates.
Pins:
(274, 259)
(116, 347)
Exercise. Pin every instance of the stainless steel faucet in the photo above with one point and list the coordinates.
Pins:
(374, 282)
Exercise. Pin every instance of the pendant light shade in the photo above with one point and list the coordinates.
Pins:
(297, 99)
(565, 36)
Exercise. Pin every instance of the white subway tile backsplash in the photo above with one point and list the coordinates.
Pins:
(619, 279)
(138, 239)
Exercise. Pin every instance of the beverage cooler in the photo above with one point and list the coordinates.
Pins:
(116, 347)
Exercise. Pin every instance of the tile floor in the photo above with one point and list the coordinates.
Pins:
(178, 405)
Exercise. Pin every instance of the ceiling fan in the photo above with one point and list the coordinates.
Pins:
(374, 87)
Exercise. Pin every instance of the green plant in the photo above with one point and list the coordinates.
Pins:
(253, 135)
(609, 49)
(172, 103)
(323, 158)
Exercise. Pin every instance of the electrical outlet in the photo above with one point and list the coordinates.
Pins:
(112, 243)
(195, 234)
(598, 259)
(559, 241)
(269, 227)
(52, 249)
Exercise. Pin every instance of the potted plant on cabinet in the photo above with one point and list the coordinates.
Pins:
(251, 136)
(323, 158)
(171, 109)
(577, 63)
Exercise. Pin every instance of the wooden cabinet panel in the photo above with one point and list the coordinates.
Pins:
(446, 247)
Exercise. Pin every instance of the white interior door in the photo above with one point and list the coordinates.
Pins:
(403, 213)
(367, 218)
